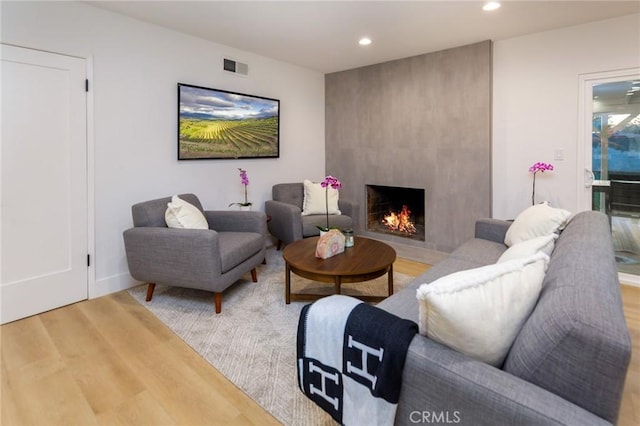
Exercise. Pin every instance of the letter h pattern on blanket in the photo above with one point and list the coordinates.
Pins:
(322, 391)
(366, 351)
(350, 359)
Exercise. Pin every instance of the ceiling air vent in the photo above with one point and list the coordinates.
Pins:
(235, 67)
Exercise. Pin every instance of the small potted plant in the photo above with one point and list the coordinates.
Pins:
(334, 183)
(535, 168)
(244, 180)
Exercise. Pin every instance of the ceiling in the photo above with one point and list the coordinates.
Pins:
(323, 35)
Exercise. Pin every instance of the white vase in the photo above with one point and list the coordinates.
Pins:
(245, 208)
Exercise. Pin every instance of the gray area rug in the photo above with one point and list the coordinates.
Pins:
(253, 341)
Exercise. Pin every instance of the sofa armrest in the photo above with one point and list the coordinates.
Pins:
(286, 221)
(237, 221)
(492, 229)
(438, 381)
(183, 257)
(351, 209)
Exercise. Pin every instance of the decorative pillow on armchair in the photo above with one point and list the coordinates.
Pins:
(181, 214)
(479, 312)
(536, 221)
(315, 199)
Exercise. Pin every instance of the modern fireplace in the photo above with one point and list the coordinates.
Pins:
(396, 211)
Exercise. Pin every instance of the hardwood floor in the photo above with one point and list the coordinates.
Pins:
(109, 361)
(630, 408)
(626, 242)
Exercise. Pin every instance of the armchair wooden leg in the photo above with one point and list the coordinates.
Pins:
(254, 275)
(150, 288)
(279, 245)
(218, 299)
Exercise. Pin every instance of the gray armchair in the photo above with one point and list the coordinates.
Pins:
(287, 223)
(206, 259)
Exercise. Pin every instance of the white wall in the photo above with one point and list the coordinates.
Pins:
(535, 106)
(136, 68)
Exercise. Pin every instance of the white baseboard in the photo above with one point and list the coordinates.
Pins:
(112, 284)
(629, 279)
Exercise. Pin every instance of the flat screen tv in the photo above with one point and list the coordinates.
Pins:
(214, 124)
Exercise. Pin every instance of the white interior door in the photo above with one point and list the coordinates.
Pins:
(44, 182)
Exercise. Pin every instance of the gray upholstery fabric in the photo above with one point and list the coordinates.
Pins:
(290, 193)
(207, 259)
(236, 247)
(180, 257)
(482, 252)
(576, 343)
(492, 229)
(437, 381)
(568, 363)
(151, 213)
(310, 223)
(287, 223)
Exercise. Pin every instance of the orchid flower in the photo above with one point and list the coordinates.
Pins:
(244, 180)
(334, 183)
(535, 168)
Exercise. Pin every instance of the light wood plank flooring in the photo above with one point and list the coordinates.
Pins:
(109, 361)
(626, 242)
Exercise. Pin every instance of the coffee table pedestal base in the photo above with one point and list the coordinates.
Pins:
(337, 280)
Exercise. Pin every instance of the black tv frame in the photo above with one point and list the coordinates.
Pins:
(221, 124)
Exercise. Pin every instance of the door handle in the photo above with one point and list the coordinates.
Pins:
(589, 177)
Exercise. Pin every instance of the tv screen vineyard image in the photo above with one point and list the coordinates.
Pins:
(220, 124)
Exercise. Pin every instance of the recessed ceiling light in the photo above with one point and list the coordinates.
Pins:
(491, 5)
(364, 41)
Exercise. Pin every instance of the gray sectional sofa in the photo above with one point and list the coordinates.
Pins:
(569, 361)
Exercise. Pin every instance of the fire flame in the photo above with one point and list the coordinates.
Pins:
(400, 222)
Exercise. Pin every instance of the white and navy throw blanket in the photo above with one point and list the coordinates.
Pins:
(350, 359)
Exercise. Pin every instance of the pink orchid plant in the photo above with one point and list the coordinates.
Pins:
(535, 168)
(334, 183)
(244, 180)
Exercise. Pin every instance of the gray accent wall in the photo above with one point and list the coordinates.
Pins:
(419, 122)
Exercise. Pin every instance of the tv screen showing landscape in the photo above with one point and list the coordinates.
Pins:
(216, 123)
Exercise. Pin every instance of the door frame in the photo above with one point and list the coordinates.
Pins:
(91, 231)
(585, 125)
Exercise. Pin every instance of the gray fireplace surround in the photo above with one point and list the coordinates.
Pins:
(420, 122)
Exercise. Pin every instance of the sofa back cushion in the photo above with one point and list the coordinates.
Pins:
(290, 193)
(576, 343)
(151, 213)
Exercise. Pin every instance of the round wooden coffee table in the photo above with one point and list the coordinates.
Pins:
(366, 260)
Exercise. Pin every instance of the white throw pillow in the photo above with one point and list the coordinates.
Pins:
(479, 312)
(530, 247)
(315, 199)
(536, 221)
(181, 214)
